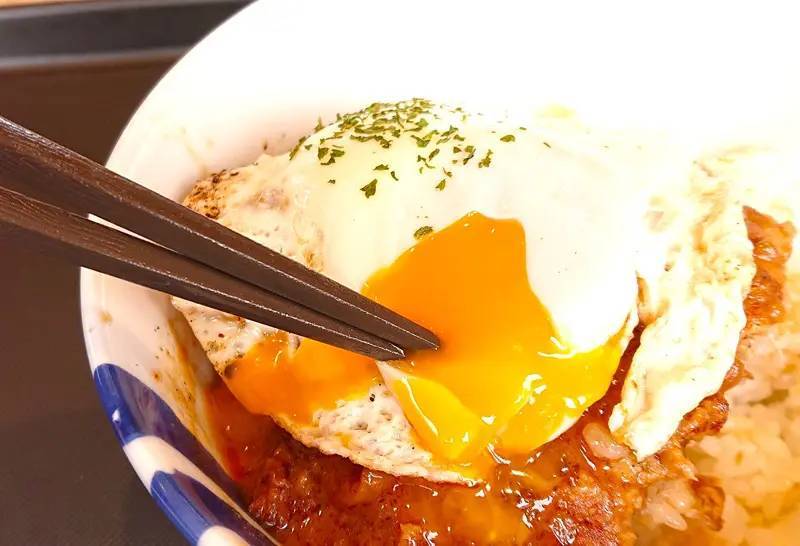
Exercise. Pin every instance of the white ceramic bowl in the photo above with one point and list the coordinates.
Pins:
(265, 76)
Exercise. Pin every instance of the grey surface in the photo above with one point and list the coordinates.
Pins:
(64, 479)
(42, 32)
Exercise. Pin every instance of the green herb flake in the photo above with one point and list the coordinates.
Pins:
(547, 144)
(433, 154)
(442, 183)
(308, 146)
(448, 135)
(523, 128)
(422, 232)
(447, 173)
(394, 176)
(421, 124)
(334, 153)
(486, 161)
(450, 131)
(369, 189)
(321, 152)
(319, 126)
(508, 138)
(296, 148)
(422, 142)
(332, 181)
(470, 150)
(424, 161)
(382, 167)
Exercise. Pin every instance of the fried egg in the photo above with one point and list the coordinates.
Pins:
(531, 249)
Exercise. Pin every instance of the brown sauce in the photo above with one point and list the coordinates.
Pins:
(305, 497)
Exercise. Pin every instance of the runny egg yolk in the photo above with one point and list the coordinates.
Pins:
(501, 381)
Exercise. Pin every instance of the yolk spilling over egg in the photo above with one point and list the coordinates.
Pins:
(502, 380)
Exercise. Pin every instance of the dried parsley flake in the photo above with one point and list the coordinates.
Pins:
(486, 161)
(422, 232)
(470, 150)
(369, 189)
(296, 148)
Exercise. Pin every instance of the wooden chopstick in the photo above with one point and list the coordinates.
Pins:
(49, 172)
(86, 243)
(54, 174)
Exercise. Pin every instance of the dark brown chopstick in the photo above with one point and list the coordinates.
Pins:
(44, 170)
(90, 244)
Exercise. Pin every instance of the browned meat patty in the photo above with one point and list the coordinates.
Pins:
(581, 489)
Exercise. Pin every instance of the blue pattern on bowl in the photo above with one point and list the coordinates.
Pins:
(193, 508)
(136, 411)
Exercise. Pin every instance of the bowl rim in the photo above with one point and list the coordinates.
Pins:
(174, 502)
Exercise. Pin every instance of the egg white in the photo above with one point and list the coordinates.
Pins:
(611, 220)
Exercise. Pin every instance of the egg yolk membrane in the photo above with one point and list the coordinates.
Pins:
(502, 381)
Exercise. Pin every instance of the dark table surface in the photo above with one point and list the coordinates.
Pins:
(64, 479)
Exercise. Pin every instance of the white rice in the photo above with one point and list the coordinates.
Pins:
(756, 458)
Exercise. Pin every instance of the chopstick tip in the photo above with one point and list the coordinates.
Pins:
(392, 352)
(425, 339)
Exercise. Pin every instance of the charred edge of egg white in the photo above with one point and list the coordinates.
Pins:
(707, 273)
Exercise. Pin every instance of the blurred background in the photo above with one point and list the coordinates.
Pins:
(74, 72)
